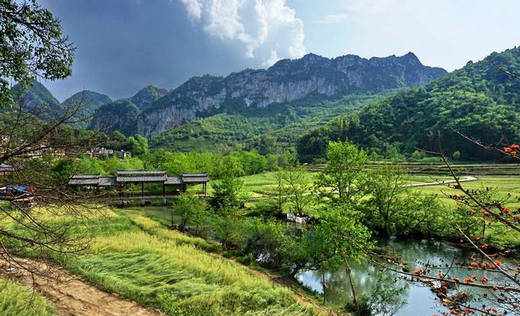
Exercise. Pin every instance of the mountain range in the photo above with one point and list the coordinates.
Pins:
(381, 103)
(287, 84)
(467, 114)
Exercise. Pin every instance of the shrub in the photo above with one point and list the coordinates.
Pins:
(191, 210)
(226, 194)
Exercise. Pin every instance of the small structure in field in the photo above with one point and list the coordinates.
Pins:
(171, 185)
(6, 169)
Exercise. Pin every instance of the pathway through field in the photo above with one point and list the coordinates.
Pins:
(442, 182)
(70, 295)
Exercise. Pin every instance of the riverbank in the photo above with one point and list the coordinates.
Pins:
(388, 292)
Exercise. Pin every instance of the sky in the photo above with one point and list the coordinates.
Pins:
(124, 45)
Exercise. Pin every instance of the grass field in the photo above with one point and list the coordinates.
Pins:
(507, 188)
(19, 300)
(140, 259)
(262, 185)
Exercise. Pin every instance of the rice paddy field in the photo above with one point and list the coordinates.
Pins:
(140, 259)
(20, 300)
(263, 185)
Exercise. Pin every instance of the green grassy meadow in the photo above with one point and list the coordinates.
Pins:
(262, 185)
(507, 188)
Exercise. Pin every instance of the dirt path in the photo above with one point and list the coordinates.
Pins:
(71, 295)
(443, 182)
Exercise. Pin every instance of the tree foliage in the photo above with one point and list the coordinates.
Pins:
(343, 179)
(31, 44)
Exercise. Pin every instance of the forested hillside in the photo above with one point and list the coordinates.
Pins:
(266, 131)
(283, 86)
(480, 101)
(37, 100)
(288, 81)
(85, 103)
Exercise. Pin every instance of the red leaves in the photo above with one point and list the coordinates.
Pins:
(474, 265)
(484, 246)
(418, 271)
(486, 265)
(469, 280)
(512, 150)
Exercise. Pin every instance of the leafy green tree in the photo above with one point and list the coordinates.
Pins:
(227, 194)
(31, 44)
(191, 210)
(87, 165)
(138, 145)
(338, 240)
(343, 180)
(295, 192)
(113, 164)
(391, 208)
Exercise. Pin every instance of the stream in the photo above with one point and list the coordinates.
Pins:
(390, 294)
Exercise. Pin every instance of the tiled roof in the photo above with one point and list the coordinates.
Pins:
(194, 177)
(84, 180)
(140, 176)
(6, 168)
(173, 180)
(137, 176)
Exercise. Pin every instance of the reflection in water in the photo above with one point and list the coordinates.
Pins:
(389, 294)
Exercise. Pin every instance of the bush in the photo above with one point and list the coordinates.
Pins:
(191, 210)
(232, 233)
(226, 194)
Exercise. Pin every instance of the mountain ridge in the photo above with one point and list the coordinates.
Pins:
(480, 100)
(286, 81)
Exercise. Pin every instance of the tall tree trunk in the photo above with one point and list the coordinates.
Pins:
(354, 298)
(324, 286)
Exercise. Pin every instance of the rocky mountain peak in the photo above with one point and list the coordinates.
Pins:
(148, 95)
(285, 82)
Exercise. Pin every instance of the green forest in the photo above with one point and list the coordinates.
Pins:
(469, 104)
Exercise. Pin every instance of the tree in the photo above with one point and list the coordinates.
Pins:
(338, 240)
(227, 194)
(191, 210)
(391, 208)
(32, 46)
(138, 145)
(343, 179)
(295, 192)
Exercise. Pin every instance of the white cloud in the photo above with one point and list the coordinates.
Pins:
(332, 18)
(264, 29)
(193, 7)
